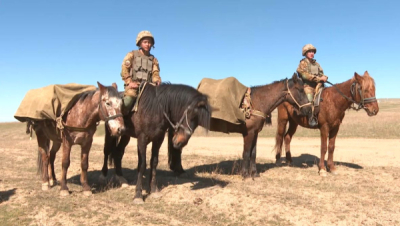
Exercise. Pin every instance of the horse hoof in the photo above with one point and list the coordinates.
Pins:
(155, 195)
(322, 173)
(52, 182)
(138, 201)
(64, 193)
(122, 181)
(102, 179)
(45, 186)
(278, 162)
(87, 193)
(124, 185)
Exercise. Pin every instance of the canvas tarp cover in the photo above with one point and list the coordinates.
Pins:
(50, 101)
(225, 97)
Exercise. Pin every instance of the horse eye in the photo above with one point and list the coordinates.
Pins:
(108, 104)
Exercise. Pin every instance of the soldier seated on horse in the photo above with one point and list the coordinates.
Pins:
(139, 66)
(313, 77)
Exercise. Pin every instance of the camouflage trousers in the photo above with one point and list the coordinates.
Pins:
(130, 95)
(310, 91)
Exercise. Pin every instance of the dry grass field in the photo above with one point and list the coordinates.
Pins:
(365, 192)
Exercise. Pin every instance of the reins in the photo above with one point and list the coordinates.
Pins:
(179, 124)
(355, 86)
(291, 95)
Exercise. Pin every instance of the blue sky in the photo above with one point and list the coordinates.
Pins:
(258, 42)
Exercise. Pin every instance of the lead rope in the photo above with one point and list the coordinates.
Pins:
(300, 106)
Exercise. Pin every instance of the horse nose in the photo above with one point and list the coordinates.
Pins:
(178, 145)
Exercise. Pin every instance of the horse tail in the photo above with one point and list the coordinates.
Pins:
(44, 146)
(28, 127)
(39, 163)
(268, 120)
(279, 139)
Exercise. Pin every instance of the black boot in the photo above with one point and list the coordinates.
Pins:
(312, 120)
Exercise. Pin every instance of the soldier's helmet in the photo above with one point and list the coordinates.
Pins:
(308, 47)
(144, 34)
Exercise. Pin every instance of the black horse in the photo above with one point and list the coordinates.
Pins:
(179, 108)
(264, 99)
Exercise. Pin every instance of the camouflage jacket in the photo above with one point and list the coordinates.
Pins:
(310, 71)
(127, 67)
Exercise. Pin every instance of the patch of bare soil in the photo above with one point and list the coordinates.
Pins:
(365, 192)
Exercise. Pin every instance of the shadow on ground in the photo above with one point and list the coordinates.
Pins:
(307, 160)
(167, 177)
(5, 195)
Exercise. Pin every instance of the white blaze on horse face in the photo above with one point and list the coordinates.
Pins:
(115, 103)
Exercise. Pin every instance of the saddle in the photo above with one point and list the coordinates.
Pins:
(247, 108)
(134, 107)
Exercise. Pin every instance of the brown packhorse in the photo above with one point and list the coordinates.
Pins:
(80, 124)
(359, 90)
(177, 108)
(264, 99)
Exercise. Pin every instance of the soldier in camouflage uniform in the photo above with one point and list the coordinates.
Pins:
(139, 66)
(313, 76)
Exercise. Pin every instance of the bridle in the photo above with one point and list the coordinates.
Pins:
(104, 115)
(291, 95)
(179, 124)
(356, 87)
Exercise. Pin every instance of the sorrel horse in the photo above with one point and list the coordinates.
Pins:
(336, 100)
(265, 99)
(79, 127)
(179, 108)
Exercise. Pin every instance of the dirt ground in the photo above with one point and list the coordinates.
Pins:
(365, 192)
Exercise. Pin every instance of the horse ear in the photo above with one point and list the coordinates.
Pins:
(115, 85)
(366, 74)
(294, 78)
(357, 76)
(101, 87)
(202, 103)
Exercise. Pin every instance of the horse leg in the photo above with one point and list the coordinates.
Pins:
(331, 149)
(109, 147)
(155, 149)
(43, 159)
(288, 138)
(53, 151)
(248, 140)
(85, 149)
(174, 156)
(253, 165)
(324, 137)
(118, 154)
(279, 139)
(141, 148)
(66, 151)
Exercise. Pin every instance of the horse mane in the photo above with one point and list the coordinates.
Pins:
(173, 99)
(368, 82)
(112, 92)
(258, 86)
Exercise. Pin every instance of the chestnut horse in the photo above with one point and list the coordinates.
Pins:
(179, 108)
(336, 100)
(79, 127)
(264, 99)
